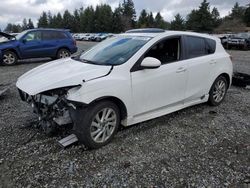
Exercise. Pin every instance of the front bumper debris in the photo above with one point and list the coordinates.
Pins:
(4, 88)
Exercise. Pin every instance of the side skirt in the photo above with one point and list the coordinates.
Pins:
(162, 111)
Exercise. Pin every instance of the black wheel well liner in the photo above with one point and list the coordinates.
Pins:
(117, 101)
(225, 75)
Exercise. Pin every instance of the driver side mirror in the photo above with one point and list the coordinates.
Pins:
(24, 41)
(150, 63)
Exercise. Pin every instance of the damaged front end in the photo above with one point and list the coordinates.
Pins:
(52, 107)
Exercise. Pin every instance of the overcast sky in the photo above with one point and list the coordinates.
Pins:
(15, 10)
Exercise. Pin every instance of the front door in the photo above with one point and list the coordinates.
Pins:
(163, 87)
(31, 45)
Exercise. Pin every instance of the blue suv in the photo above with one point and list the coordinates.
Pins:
(36, 43)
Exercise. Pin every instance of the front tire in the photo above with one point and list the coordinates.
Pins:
(9, 58)
(99, 124)
(63, 53)
(218, 91)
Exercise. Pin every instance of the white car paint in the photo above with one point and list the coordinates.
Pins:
(146, 94)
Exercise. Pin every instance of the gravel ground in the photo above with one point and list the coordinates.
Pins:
(200, 146)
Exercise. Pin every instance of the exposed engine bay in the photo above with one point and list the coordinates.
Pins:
(52, 108)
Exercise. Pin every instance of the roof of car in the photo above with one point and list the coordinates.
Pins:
(167, 32)
(48, 29)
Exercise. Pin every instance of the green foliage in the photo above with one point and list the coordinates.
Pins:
(117, 26)
(237, 12)
(196, 19)
(147, 20)
(128, 14)
(160, 23)
(143, 19)
(30, 24)
(68, 20)
(178, 23)
(43, 20)
(246, 17)
(13, 28)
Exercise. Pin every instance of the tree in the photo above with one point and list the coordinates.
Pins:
(8, 28)
(143, 19)
(246, 17)
(117, 25)
(151, 20)
(178, 23)
(58, 21)
(216, 17)
(201, 20)
(43, 20)
(237, 11)
(159, 21)
(76, 20)
(67, 20)
(50, 20)
(25, 24)
(87, 19)
(129, 14)
(30, 24)
(13, 28)
(103, 18)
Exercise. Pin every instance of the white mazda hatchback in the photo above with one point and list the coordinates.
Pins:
(127, 79)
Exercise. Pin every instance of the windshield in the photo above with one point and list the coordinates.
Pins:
(20, 35)
(114, 51)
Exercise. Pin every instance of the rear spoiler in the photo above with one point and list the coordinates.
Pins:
(6, 35)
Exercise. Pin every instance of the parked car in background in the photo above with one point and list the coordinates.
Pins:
(37, 43)
(127, 79)
(100, 37)
(87, 37)
(240, 41)
(224, 39)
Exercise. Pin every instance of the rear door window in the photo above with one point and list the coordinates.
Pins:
(198, 46)
(195, 46)
(53, 35)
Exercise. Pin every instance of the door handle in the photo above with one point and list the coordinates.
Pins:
(212, 62)
(181, 69)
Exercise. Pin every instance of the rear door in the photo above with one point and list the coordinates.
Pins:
(50, 42)
(53, 40)
(201, 63)
(31, 45)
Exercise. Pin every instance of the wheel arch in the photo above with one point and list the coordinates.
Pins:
(226, 75)
(120, 104)
(62, 47)
(12, 50)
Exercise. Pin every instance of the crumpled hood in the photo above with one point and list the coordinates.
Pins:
(59, 73)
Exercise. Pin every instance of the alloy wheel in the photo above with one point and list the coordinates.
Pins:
(219, 91)
(103, 125)
(64, 54)
(9, 58)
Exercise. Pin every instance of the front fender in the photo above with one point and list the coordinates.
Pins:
(90, 91)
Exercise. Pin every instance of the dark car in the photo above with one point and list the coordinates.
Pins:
(36, 43)
(240, 41)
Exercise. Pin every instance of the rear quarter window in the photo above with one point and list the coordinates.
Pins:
(199, 46)
(54, 35)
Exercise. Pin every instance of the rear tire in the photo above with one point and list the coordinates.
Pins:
(9, 58)
(99, 124)
(218, 91)
(63, 53)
